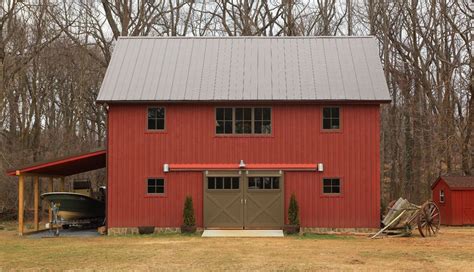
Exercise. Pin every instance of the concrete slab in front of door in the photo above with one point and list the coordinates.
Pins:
(242, 233)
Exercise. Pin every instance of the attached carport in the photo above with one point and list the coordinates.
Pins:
(50, 170)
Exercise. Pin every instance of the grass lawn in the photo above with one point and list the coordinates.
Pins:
(452, 249)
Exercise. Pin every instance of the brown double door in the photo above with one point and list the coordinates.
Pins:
(243, 199)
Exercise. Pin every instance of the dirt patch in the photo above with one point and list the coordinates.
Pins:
(452, 249)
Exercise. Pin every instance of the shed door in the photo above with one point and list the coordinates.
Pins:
(223, 202)
(263, 200)
(467, 209)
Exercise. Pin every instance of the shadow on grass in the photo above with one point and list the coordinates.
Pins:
(317, 236)
(158, 235)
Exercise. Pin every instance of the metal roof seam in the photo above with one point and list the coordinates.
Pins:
(340, 70)
(327, 72)
(161, 71)
(189, 69)
(355, 70)
(313, 71)
(368, 69)
(174, 72)
(202, 69)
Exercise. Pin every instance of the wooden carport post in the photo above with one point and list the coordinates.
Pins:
(36, 201)
(63, 184)
(21, 185)
(50, 189)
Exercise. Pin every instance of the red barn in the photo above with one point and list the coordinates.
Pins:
(240, 124)
(454, 196)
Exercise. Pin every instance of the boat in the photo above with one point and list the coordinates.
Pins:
(75, 206)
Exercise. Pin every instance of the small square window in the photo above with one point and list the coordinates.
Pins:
(156, 118)
(155, 186)
(331, 186)
(331, 118)
(441, 196)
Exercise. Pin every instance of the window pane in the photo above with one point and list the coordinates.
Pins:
(160, 182)
(326, 112)
(258, 114)
(252, 183)
(267, 127)
(227, 182)
(219, 183)
(335, 112)
(258, 127)
(239, 113)
(259, 183)
(151, 190)
(160, 189)
(151, 182)
(335, 182)
(326, 123)
(151, 123)
(220, 114)
(219, 127)
(152, 113)
(326, 182)
(160, 124)
(335, 124)
(335, 190)
(326, 190)
(211, 183)
(248, 114)
(239, 127)
(228, 127)
(228, 114)
(235, 183)
(267, 114)
(276, 183)
(248, 127)
(267, 183)
(160, 112)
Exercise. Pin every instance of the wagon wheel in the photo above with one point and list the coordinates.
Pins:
(428, 219)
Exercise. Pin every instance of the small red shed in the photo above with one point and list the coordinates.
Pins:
(455, 197)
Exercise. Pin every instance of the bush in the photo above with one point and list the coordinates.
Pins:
(188, 213)
(293, 211)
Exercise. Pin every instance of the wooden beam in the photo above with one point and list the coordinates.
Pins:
(21, 185)
(63, 184)
(36, 202)
(50, 189)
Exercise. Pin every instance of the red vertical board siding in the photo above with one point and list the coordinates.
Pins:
(458, 208)
(445, 208)
(134, 154)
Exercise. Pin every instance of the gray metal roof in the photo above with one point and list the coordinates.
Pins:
(244, 69)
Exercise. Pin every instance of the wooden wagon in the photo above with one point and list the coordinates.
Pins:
(402, 217)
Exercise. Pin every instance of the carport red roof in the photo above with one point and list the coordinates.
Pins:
(66, 166)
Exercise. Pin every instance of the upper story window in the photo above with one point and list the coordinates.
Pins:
(331, 186)
(331, 118)
(156, 186)
(243, 120)
(156, 118)
(441, 196)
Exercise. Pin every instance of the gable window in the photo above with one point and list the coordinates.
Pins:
(331, 186)
(243, 120)
(156, 186)
(156, 118)
(265, 183)
(331, 118)
(441, 196)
